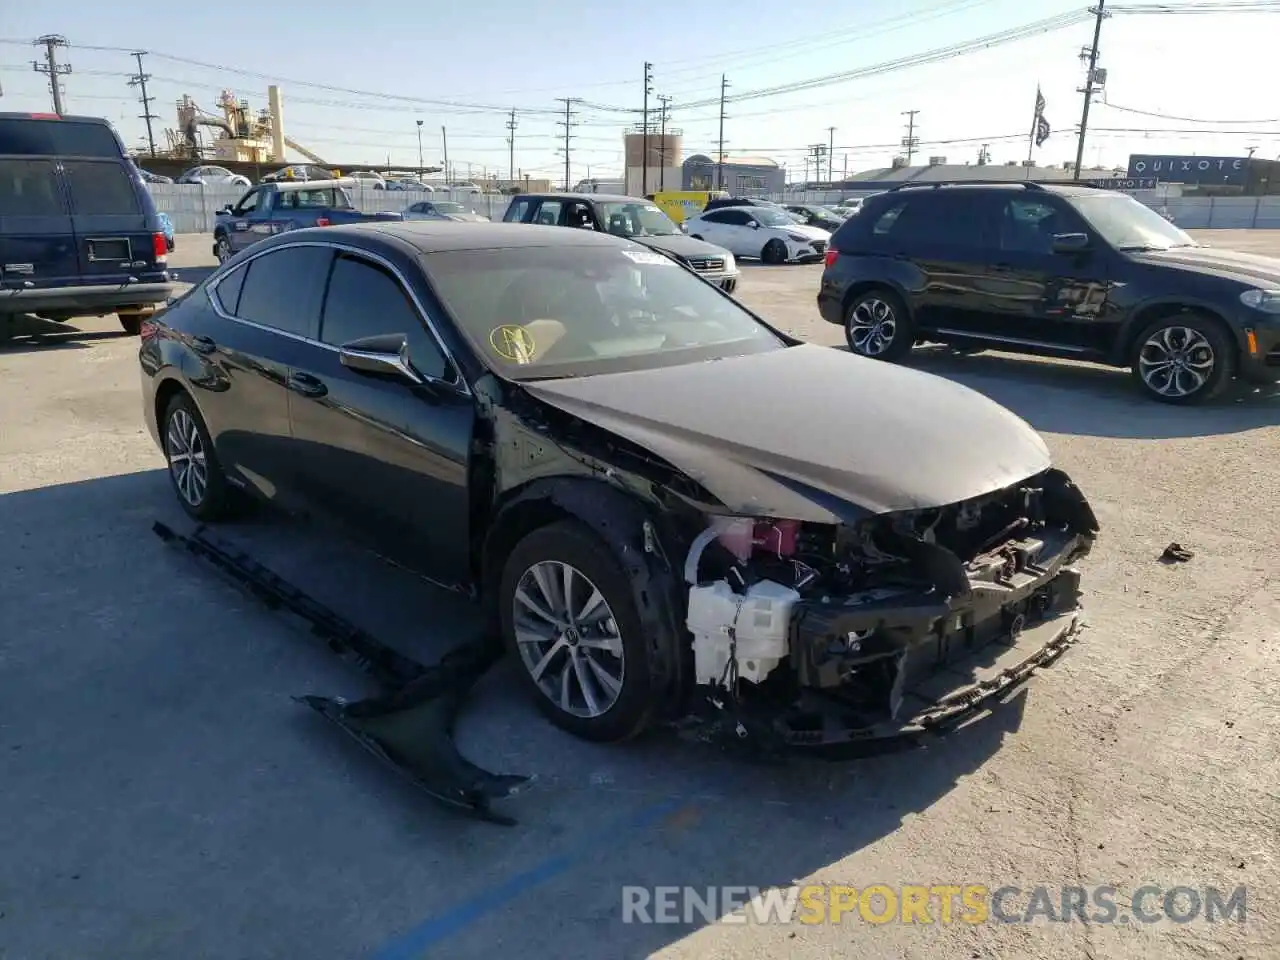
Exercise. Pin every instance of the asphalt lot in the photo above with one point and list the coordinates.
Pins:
(162, 796)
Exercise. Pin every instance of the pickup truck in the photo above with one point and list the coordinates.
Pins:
(272, 208)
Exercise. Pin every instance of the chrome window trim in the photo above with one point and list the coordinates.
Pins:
(458, 382)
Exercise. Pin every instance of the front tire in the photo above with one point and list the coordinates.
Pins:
(222, 248)
(194, 470)
(774, 252)
(569, 619)
(1184, 359)
(876, 325)
(130, 322)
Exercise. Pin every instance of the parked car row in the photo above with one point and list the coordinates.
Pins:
(214, 175)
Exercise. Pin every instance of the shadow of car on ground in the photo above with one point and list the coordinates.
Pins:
(1091, 400)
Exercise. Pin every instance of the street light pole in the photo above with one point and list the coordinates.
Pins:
(419, 149)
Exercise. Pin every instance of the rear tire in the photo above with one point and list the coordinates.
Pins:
(603, 660)
(194, 470)
(877, 326)
(1184, 359)
(131, 322)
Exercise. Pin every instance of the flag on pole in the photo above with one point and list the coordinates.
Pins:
(1042, 128)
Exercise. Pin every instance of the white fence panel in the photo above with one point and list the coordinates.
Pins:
(193, 207)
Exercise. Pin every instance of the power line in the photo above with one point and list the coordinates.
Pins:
(1166, 116)
(140, 80)
(51, 68)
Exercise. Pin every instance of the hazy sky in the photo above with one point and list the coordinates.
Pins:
(1217, 72)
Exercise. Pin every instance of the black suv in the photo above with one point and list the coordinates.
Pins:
(1054, 270)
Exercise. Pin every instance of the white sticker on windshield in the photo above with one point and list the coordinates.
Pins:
(648, 256)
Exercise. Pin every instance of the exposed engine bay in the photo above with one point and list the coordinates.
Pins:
(830, 634)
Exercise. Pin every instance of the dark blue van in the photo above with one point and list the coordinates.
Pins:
(79, 232)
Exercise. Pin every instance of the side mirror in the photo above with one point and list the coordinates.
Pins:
(227, 209)
(753, 225)
(387, 353)
(1070, 242)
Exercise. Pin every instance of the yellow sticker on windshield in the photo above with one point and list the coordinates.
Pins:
(512, 343)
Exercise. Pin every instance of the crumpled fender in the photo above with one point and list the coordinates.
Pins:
(636, 533)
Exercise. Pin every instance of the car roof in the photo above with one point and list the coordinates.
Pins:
(297, 186)
(602, 197)
(430, 236)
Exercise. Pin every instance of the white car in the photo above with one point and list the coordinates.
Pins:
(442, 210)
(769, 233)
(214, 176)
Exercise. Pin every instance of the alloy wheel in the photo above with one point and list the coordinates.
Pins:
(187, 461)
(872, 327)
(1176, 361)
(224, 250)
(568, 639)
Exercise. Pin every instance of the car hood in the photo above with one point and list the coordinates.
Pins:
(804, 230)
(1245, 267)
(811, 433)
(681, 246)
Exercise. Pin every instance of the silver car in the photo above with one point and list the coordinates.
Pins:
(214, 176)
(442, 210)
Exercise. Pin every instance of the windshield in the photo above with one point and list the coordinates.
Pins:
(571, 311)
(636, 220)
(1129, 225)
(772, 217)
(446, 206)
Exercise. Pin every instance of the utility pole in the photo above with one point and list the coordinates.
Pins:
(910, 141)
(817, 151)
(662, 144)
(567, 123)
(420, 164)
(511, 146)
(51, 68)
(444, 146)
(140, 80)
(831, 153)
(644, 132)
(1090, 82)
(724, 88)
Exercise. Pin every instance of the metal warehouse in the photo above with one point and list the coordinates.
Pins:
(741, 176)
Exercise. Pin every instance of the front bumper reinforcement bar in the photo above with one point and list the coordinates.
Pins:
(410, 727)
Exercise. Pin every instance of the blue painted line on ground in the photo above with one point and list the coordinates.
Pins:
(411, 945)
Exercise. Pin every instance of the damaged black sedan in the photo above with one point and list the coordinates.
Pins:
(666, 507)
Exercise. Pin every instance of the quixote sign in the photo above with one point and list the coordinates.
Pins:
(1200, 170)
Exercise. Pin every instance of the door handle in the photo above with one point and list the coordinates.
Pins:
(307, 385)
(203, 345)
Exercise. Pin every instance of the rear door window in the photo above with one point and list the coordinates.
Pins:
(100, 188)
(283, 289)
(57, 138)
(29, 188)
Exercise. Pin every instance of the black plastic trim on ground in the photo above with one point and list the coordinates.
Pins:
(410, 728)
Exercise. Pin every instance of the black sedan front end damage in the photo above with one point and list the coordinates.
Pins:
(909, 623)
